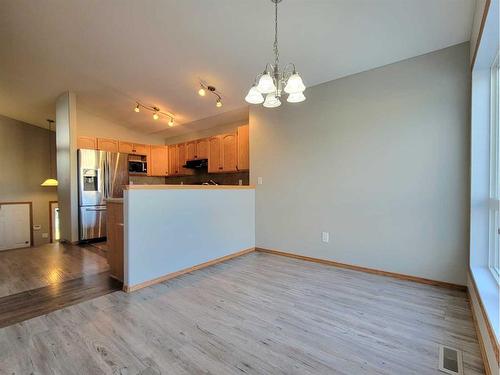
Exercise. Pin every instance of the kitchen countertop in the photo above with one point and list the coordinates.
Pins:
(187, 187)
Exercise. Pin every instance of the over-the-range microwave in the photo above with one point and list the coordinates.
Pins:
(137, 166)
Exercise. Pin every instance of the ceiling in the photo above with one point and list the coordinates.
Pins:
(114, 52)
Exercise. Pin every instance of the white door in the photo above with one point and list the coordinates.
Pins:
(15, 227)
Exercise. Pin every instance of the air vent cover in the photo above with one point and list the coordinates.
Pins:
(450, 360)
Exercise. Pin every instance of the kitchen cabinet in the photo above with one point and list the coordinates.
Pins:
(183, 157)
(191, 150)
(106, 144)
(223, 153)
(202, 146)
(243, 148)
(89, 143)
(114, 225)
(214, 155)
(173, 160)
(229, 152)
(132, 148)
(158, 161)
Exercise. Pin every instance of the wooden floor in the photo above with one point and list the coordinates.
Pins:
(36, 267)
(26, 305)
(257, 314)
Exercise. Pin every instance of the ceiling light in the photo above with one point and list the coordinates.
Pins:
(296, 97)
(137, 109)
(272, 101)
(273, 80)
(212, 90)
(156, 116)
(294, 84)
(171, 122)
(254, 96)
(157, 113)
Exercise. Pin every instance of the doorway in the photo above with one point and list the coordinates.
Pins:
(54, 221)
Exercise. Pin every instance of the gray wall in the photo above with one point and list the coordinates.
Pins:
(24, 165)
(378, 159)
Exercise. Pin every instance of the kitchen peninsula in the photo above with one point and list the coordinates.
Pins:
(169, 230)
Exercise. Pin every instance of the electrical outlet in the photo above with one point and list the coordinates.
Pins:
(45, 235)
(325, 237)
(240, 182)
(259, 180)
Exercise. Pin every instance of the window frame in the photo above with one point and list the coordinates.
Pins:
(494, 204)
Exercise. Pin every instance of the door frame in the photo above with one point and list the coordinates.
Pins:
(50, 221)
(31, 216)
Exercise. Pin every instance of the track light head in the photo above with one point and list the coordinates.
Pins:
(137, 109)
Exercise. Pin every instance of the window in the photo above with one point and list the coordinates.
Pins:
(494, 241)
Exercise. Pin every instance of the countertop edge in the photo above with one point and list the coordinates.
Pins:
(189, 187)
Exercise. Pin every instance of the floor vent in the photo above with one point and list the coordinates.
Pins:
(450, 360)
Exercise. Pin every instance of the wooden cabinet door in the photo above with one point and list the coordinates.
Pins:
(89, 143)
(214, 156)
(173, 160)
(202, 147)
(140, 149)
(229, 152)
(243, 148)
(182, 152)
(191, 150)
(126, 147)
(158, 161)
(106, 144)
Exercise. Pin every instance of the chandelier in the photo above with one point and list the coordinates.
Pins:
(273, 81)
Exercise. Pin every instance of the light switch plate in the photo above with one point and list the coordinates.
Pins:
(259, 180)
(325, 237)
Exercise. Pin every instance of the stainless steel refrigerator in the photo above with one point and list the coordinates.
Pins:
(101, 175)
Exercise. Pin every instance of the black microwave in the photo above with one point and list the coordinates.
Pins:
(135, 166)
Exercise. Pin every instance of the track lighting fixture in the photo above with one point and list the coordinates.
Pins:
(157, 112)
(211, 89)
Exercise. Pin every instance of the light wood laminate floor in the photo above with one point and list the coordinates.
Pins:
(257, 314)
(36, 267)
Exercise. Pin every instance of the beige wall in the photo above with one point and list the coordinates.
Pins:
(378, 159)
(91, 125)
(24, 165)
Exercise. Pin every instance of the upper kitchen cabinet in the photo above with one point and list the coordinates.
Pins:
(191, 150)
(243, 148)
(106, 144)
(158, 161)
(183, 157)
(89, 143)
(229, 155)
(132, 148)
(214, 155)
(202, 147)
(173, 160)
(223, 155)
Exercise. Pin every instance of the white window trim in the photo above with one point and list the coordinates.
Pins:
(494, 251)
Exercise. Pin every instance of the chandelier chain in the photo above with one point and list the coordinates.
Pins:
(276, 52)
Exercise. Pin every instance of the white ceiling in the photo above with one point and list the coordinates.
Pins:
(113, 52)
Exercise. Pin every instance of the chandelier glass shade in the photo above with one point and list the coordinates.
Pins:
(274, 81)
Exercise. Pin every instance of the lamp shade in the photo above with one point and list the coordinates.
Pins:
(49, 182)
(294, 84)
(272, 101)
(266, 84)
(254, 96)
(296, 97)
